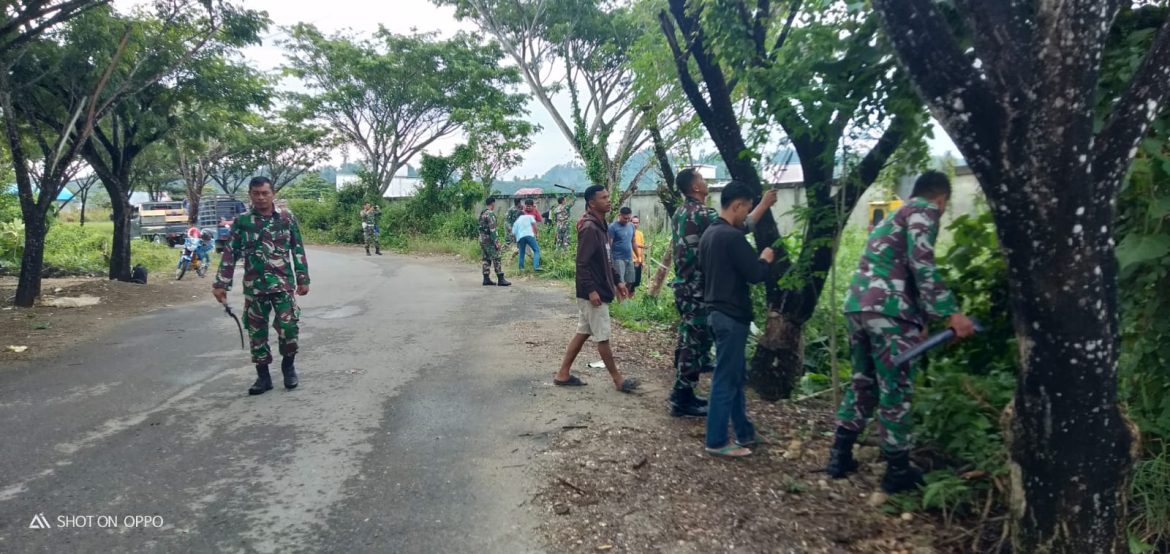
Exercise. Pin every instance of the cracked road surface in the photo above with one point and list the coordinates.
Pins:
(404, 436)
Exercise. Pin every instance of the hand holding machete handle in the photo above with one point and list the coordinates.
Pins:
(932, 343)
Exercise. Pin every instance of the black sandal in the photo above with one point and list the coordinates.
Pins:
(573, 381)
(629, 385)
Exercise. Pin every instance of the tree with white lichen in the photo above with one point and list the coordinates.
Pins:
(1020, 104)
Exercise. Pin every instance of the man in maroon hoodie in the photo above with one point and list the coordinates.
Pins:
(595, 290)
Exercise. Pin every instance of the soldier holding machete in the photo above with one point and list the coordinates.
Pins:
(895, 291)
(269, 242)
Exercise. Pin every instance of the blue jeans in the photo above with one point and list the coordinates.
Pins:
(531, 243)
(727, 400)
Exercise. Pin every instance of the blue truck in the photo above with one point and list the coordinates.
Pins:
(216, 214)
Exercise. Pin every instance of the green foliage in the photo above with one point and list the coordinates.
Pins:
(73, 249)
(1150, 496)
(1143, 231)
(9, 206)
(375, 93)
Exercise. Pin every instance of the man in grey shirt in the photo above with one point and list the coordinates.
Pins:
(621, 236)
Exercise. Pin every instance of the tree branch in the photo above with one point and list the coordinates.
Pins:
(1147, 94)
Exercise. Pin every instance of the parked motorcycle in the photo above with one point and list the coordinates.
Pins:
(189, 260)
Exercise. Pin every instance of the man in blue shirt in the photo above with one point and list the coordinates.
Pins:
(621, 237)
(524, 229)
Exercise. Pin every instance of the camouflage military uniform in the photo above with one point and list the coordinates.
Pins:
(510, 218)
(369, 223)
(561, 219)
(895, 290)
(266, 244)
(692, 355)
(488, 242)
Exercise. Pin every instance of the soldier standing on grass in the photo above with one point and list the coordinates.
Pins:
(692, 356)
(895, 291)
(370, 214)
(490, 244)
(560, 217)
(510, 218)
(265, 238)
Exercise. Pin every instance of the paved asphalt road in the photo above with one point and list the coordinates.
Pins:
(401, 438)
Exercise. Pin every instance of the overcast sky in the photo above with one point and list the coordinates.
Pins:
(402, 16)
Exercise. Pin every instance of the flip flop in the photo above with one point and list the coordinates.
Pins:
(729, 451)
(629, 385)
(573, 381)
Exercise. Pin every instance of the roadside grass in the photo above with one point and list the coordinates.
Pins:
(71, 249)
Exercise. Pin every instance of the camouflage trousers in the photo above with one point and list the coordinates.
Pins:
(491, 256)
(371, 237)
(876, 340)
(286, 314)
(692, 355)
(563, 235)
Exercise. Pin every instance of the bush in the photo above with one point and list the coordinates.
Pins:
(72, 249)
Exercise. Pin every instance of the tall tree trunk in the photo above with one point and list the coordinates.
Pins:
(1051, 173)
(120, 250)
(84, 197)
(1070, 444)
(28, 287)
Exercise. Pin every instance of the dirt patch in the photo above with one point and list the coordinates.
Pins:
(627, 477)
(45, 330)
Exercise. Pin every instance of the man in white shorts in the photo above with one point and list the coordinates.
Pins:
(595, 290)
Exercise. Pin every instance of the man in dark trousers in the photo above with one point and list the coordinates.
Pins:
(692, 355)
(729, 265)
(895, 291)
(595, 290)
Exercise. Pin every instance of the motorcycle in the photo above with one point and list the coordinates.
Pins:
(189, 260)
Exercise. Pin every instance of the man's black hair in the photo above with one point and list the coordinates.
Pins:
(561, 200)
(529, 202)
(735, 190)
(932, 184)
(517, 201)
(490, 200)
(258, 182)
(685, 180)
(625, 210)
(592, 191)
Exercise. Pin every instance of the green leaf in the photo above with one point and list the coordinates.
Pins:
(1136, 249)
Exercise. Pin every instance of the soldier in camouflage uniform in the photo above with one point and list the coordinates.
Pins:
(370, 214)
(560, 217)
(895, 291)
(510, 218)
(692, 355)
(490, 244)
(265, 238)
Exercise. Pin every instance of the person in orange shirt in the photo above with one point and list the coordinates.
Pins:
(639, 255)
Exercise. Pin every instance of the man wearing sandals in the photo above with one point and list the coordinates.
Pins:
(729, 264)
(595, 290)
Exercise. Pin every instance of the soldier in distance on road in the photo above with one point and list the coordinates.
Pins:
(370, 214)
(895, 291)
(269, 242)
(489, 243)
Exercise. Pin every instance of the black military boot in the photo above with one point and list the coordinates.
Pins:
(378, 250)
(841, 462)
(367, 250)
(682, 404)
(487, 281)
(289, 371)
(900, 475)
(263, 382)
(503, 282)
